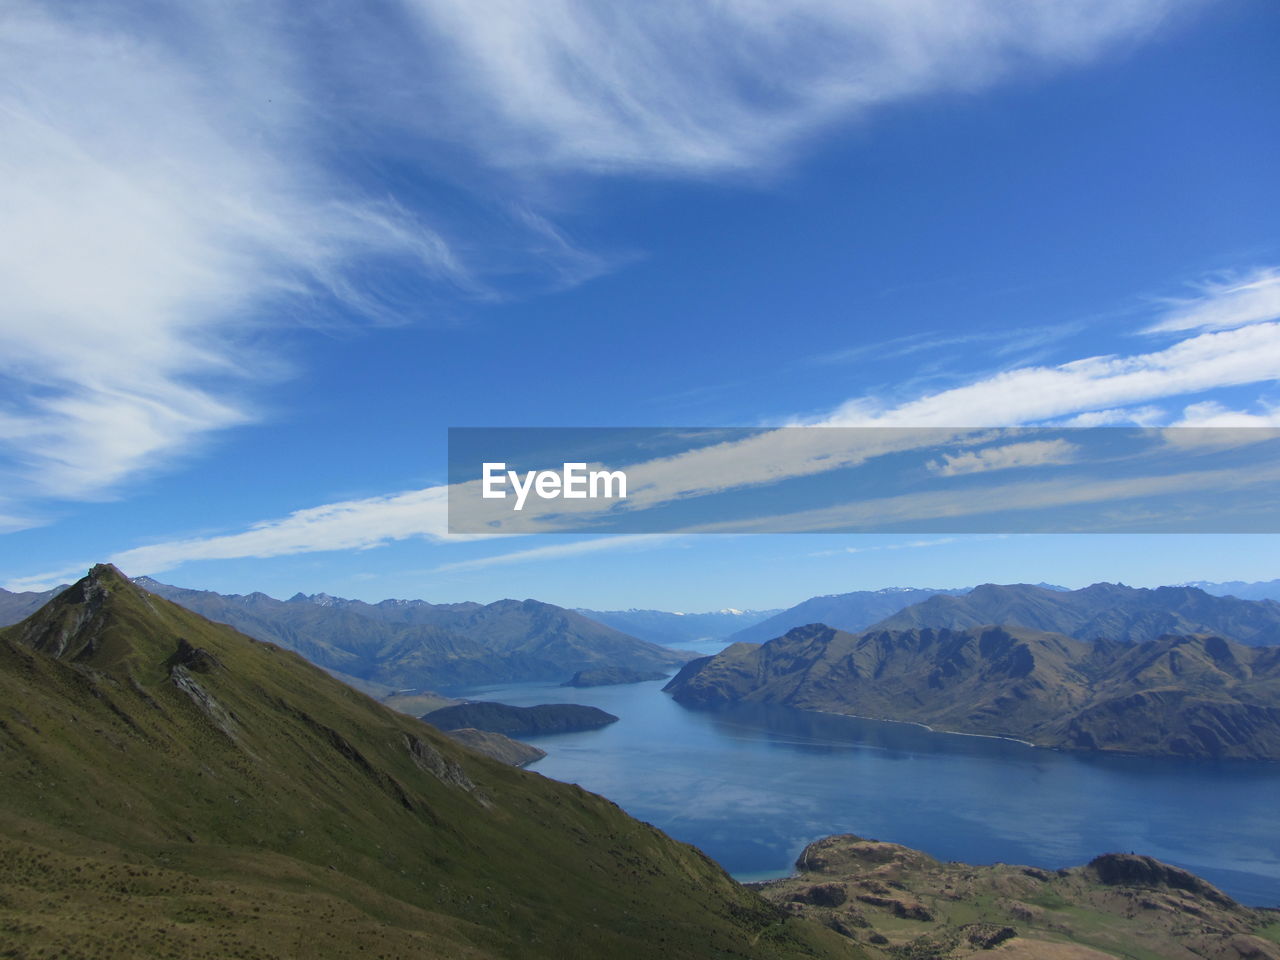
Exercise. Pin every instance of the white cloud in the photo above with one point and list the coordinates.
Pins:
(1095, 385)
(1034, 453)
(1147, 416)
(909, 545)
(169, 180)
(1026, 496)
(557, 551)
(1207, 361)
(1227, 304)
(348, 525)
(157, 202)
(1211, 414)
(669, 85)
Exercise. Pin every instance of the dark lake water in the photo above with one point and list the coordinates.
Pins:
(752, 786)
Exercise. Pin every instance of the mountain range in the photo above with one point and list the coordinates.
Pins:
(674, 629)
(172, 788)
(844, 611)
(1199, 696)
(412, 644)
(1108, 610)
(20, 605)
(1257, 590)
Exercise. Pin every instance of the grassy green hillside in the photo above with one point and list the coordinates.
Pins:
(171, 788)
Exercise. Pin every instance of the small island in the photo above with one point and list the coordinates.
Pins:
(612, 676)
(520, 721)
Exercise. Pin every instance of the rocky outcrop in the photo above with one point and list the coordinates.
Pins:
(1133, 870)
(496, 745)
(895, 902)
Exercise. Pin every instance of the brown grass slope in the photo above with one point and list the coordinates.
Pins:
(901, 903)
(171, 788)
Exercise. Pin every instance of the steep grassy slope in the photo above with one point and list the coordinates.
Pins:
(1189, 696)
(171, 788)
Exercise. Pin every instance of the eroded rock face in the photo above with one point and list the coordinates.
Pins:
(823, 895)
(193, 658)
(988, 936)
(1132, 870)
(496, 745)
(428, 758)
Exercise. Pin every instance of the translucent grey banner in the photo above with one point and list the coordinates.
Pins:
(645, 480)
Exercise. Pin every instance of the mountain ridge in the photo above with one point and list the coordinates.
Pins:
(417, 644)
(171, 787)
(672, 628)
(852, 611)
(1109, 610)
(1183, 696)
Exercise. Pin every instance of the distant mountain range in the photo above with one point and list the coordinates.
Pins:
(412, 644)
(1109, 610)
(674, 629)
(1259, 590)
(844, 611)
(1184, 696)
(19, 606)
(171, 788)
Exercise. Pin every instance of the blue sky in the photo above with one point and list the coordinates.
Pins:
(260, 258)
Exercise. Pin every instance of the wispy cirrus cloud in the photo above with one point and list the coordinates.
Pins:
(1007, 456)
(348, 525)
(1082, 393)
(161, 206)
(1226, 304)
(557, 551)
(1207, 361)
(876, 548)
(670, 86)
(176, 183)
